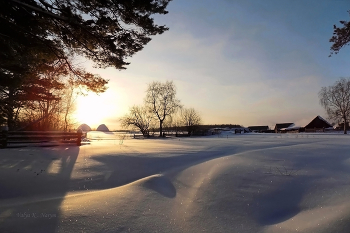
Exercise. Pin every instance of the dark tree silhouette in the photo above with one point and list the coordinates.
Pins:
(138, 117)
(41, 85)
(41, 36)
(106, 31)
(341, 36)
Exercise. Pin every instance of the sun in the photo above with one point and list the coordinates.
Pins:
(92, 110)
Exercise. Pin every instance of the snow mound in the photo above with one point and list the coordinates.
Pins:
(84, 128)
(160, 184)
(102, 128)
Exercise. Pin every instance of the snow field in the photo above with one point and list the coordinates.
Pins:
(238, 183)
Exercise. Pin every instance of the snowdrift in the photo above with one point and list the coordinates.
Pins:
(242, 183)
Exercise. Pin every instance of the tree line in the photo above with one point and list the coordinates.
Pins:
(161, 108)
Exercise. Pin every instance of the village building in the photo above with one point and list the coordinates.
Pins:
(280, 126)
(318, 124)
(258, 129)
(341, 126)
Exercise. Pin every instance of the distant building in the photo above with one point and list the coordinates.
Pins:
(102, 128)
(258, 129)
(215, 131)
(84, 127)
(317, 124)
(341, 126)
(280, 126)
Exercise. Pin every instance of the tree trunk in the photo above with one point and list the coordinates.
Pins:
(345, 125)
(10, 111)
(68, 109)
(189, 130)
(160, 128)
(10, 120)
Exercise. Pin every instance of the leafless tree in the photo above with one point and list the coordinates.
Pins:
(336, 101)
(140, 118)
(190, 119)
(161, 101)
(69, 105)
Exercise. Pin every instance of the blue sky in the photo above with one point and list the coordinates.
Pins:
(245, 62)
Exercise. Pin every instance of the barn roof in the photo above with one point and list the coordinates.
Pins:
(283, 125)
(318, 122)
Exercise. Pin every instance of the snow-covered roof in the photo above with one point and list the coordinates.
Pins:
(291, 128)
(318, 122)
(283, 125)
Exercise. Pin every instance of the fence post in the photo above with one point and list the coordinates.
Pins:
(80, 132)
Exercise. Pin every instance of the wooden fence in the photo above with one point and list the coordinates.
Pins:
(140, 136)
(318, 130)
(20, 137)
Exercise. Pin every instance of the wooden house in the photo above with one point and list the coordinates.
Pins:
(280, 126)
(318, 124)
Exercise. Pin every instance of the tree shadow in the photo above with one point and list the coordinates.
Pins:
(32, 191)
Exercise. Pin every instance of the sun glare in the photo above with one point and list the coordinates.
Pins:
(93, 110)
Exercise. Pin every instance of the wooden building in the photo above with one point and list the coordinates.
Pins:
(280, 126)
(259, 129)
(318, 124)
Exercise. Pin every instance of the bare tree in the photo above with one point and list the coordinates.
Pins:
(68, 104)
(140, 118)
(336, 101)
(190, 119)
(161, 101)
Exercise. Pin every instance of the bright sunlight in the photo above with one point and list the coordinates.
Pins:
(94, 109)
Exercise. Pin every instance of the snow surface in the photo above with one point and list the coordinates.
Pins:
(226, 183)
